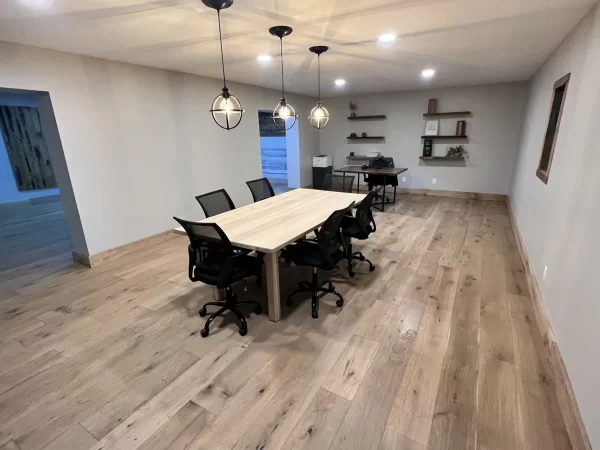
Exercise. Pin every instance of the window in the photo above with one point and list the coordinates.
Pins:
(558, 102)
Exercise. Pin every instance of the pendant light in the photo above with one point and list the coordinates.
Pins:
(319, 116)
(226, 110)
(283, 112)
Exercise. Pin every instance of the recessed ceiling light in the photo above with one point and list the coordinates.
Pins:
(264, 58)
(40, 4)
(340, 82)
(387, 38)
(428, 73)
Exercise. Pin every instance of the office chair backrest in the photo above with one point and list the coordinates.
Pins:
(364, 215)
(215, 202)
(330, 236)
(382, 162)
(210, 252)
(338, 183)
(260, 189)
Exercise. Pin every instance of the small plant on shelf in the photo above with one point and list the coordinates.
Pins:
(456, 152)
(353, 108)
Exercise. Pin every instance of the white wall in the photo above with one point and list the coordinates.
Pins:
(8, 186)
(559, 222)
(493, 131)
(139, 143)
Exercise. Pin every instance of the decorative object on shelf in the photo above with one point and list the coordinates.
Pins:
(351, 153)
(364, 135)
(461, 128)
(428, 147)
(226, 110)
(432, 106)
(432, 127)
(456, 152)
(319, 116)
(353, 108)
(283, 111)
(352, 135)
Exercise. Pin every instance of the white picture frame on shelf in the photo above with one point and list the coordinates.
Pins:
(432, 127)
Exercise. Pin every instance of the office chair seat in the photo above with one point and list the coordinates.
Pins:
(308, 253)
(245, 267)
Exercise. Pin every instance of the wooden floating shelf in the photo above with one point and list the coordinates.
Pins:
(368, 138)
(358, 118)
(445, 137)
(448, 114)
(442, 158)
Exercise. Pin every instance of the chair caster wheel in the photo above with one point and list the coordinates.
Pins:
(289, 302)
(351, 274)
(202, 313)
(243, 331)
(204, 332)
(371, 268)
(315, 314)
(258, 310)
(339, 303)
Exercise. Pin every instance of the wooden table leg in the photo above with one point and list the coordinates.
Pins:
(272, 272)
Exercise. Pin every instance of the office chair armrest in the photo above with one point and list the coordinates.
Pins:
(193, 257)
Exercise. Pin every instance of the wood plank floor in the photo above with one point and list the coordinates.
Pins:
(436, 349)
(32, 231)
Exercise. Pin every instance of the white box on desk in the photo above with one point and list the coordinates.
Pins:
(322, 161)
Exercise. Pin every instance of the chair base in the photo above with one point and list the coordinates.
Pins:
(359, 257)
(229, 304)
(315, 287)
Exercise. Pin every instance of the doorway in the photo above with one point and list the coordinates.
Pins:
(33, 226)
(279, 153)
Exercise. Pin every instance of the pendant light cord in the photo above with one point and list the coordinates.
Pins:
(221, 41)
(319, 74)
(281, 53)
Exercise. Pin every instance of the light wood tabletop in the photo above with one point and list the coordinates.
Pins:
(269, 225)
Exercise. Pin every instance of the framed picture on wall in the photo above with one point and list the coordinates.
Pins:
(432, 128)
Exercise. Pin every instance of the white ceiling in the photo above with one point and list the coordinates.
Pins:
(466, 41)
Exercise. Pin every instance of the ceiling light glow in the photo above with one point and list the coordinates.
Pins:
(340, 82)
(38, 4)
(428, 73)
(387, 38)
(264, 58)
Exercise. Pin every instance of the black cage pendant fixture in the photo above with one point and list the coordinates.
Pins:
(226, 110)
(319, 116)
(284, 115)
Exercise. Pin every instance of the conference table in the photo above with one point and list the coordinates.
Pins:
(271, 224)
(383, 171)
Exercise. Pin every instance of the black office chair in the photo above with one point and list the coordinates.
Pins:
(338, 183)
(359, 226)
(379, 180)
(213, 260)
(260, 189)
(215, 202)
(323, 253)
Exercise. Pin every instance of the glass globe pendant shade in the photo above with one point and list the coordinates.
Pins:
(227, 110)
(319, 116)
(284, 115)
